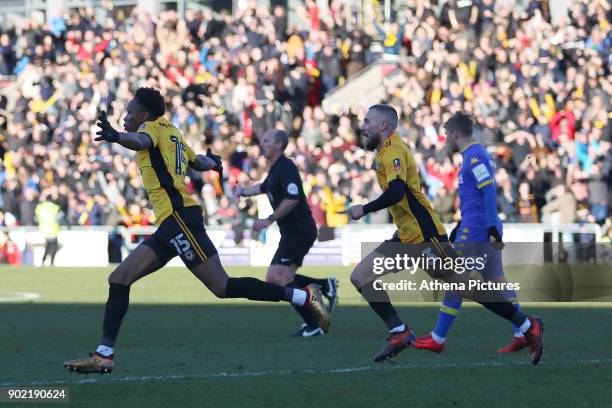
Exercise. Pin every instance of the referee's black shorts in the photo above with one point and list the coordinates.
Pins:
(182, 234)
(293, 247)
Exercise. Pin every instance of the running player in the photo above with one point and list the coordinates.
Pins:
(163, 157)
(416, 223)
(298, 230)
(479, 224)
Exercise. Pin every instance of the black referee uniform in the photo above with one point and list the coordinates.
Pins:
(298, 229)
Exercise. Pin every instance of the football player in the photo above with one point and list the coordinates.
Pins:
(479, 224)
(163, 157)
(419, 225)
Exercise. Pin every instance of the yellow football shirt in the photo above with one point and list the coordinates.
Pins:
(163, 167)
(413, 215)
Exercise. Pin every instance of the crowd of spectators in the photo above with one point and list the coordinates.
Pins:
(539, 92)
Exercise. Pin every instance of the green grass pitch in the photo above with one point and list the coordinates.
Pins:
(179, 346)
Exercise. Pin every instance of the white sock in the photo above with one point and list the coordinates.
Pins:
(438, 339)
(105, 351)
(519, 335)
(299, 297)
(398, 329)
(525, 326)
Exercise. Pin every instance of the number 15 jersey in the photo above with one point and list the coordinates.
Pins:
(163, 168)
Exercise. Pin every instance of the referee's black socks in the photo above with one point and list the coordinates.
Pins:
(302, 281)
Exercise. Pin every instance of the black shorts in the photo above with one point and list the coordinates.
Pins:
(182, 234)
(436, 246)
(435, 240)
(293, 247)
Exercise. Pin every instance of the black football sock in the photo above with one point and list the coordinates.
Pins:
(380, 302)
(116, 308)
(498, 304)
(255, 289)
(301, 281)
(306, 313)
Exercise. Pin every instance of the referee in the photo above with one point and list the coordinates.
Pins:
(298, 230)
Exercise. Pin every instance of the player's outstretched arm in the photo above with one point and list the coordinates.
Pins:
(202, 163)
(130, 140)
(247, 191)
(210, 161)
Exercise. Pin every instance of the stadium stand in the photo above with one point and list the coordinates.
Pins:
(539, 91)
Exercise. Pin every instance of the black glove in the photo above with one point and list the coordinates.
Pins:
(453, 235)
(106, 131)
(217, 159)
(494, 238)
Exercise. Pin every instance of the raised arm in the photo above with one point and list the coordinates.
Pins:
(130, 140)
(248, 191)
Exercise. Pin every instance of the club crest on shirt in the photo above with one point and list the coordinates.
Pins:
(396, 164)
(142, 126)
(189, 255)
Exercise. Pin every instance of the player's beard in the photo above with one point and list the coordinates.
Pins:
(452, 145)
(372, 142)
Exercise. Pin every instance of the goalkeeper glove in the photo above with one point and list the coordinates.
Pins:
(494, 238)
(217, 159)
(106, 131)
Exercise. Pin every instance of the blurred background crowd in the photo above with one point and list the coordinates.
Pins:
(539, 92)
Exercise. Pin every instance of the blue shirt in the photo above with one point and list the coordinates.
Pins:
(476, 176)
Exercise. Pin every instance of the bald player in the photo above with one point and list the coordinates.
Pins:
(418, 225)
(298, 230)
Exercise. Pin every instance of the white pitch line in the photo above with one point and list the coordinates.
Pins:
(12, 297)
(101, 380)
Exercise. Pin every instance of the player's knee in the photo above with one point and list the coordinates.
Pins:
(273, 278)
(220, 293)
(278, 277)
(219, 290)
(356, 279)
(118, 276)
(469, 294)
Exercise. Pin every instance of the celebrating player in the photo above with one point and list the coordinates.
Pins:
(163, 158)
(416, 223)
(297, 227)
(479, 224)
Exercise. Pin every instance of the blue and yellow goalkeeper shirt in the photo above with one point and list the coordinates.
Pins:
(163, 168)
